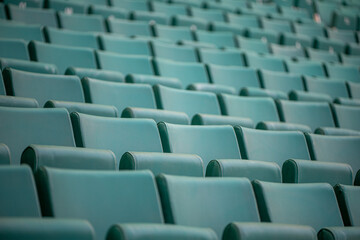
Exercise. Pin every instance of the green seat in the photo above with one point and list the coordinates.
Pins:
(117, 135)
(347, 116)
(209, 119)
(170, 9)
(342, 149)
(350, 60)
(46, 17)
(71, 38)
(336, 131)
(256, 108)
(28, 66)
(321, 55)
(305, 171)
(234, 76)
(19, 102)
(271, 146)
(105, 75)
(61, 56)
(159, 18)
(67, 6)
(279, 81)
(347, 197)
(303, 96)
(220, 39)
(264, 171)
(254, 45)
(27, 32)
(260, 92)
(213, 88)
(312, 114)
(174, 52)
(265, 7)
(342, 35)
(13, 48)
(169, 163)
(153, 80)
(270, 63)
(131, 5)
(209, 142)
(214, 15)
(125, 64)
(37, 156)
(338, 71)
(295, 39)
(354, 49)
(312, 204)
(288, 51)
(81, 22)
(219, 57)
(266, 35)
(250, 21)
(30, 3)
(129, 28)
(174, 34)
(345, 21)
(187, 73)
(187, 21)
(293, 13)
(4, 155)
(307, 68)
(354, 89)
(326, 10)
(332, 45)
(124, 45)
(277, 25)
(311, 30)
(107, 11)
(156, 114)
(40, 130)
(330, 87)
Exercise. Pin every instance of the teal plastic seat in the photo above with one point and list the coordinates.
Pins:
(264, 171)
(67, 6)
(350, 60)
(321, 55)
(342, 149)
(188, 21)
(27, 32)
(311, 30)
(174, 52)
(215, 15)
(108, 11)
(5, 158)
(210, 119)
(28, 66)
(254, 45)
(305, 171)
(133, 5)
(125, 64)
(174, 34)
(271, 146)
(326, 10)
(220, 39)
(330, 87)
(347, 197)
(62, 56)
(124, 45)
(170, 9)
(159, 18)
(338, 71)
(277, 25)
(266, 35)
(209, 142)
(288, 51)
(46, 17)
(219, 57)
(291, 12)
(312, 114)
(105, 75)
(187, 73)
(81, 22)
(295, 39)
(270, 63)
(19, 102)
(264, 7)
(345, 21)
(37, 156)
(307, 68)
(279, 81)
(354, 49)
(336, 131)
(117, 135)
(13, 48)
(256, 108)
(332, 45)
(40, 130)
(354, 89)
(71, 38)
(30, 3)
(153, 80)
(342, 35)
(347, 116)
(233, 76)
(250, 21)
(213, 88)
(129, 28)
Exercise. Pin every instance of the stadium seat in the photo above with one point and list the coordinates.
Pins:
(46, 17)
(345, 21)
(350, 60)
(71, 38)
(187, 21)
(342, 35)
(133, 5)
(266, 35)
(214, 15)
(124, 45)
(129, 28)
(107, 11)
(279, 81)
(347, 116)
(287, 51)
(311, 30)
(40, 130)
(220, 39)
(210, 119)
(264, 7)
(18, 102)
(81, 22)
(212, 88)
(105, 75)
(347, 197)
(209, 142)
(174, 52)
(354, 89)
(295, 39)
(277, 25)
(153, 80)
(13, 48)
(326, 10)
(220, 57)
(354, 49)
(170, 9)
(306, 68)
(254, 45)
(62, 56)
(28, 66)
(336, 131)
(174, 34)
(271, 146)
(250, 21)
(68, 7)
(270, 63)
(4, 155)
(321, 55)
(125, 64)
(332, 45)
(338, 71)
(27, 32)
(159, 18)
(332, 88)
(343, 149)
(291, 12)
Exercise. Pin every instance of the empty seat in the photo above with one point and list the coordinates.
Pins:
(13, 48)
(332, 88)
(19, 102)
(68, 7)
(126, 64)
(326, 10)
(255, 45)
(174, 33)
(107, 11)
(220, 39)
(46, 17)
(350, 60)
(133, 5)
(220, 57)
(354, 89)
(28, 32)
(277, 25)
(306, 68)
(209, 142)
(71, 38)
(124, 45)
(159, 18)
(63, 57)
(270, 63)
(321, 55)
(266, 35)
(105, 75)
(345, 21)
(28, 66)
(295, 39)
(81, 22)
(265, 7)
(170, 9)
(251, 21)
(347, 116)
(129, 28)
(187, 21)
(279, 81)
(343, 149)
(342, 35)
(272, 146)
(338, 71)
(288, 51)
(347, 197)
(311, 30)
(4, 155)
(174, 52)
(215, 15)
(153, 80)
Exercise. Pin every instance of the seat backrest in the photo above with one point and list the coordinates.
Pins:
(117, 135)
(43, 87)
(18, 192)
(251, 21)
(27, 32)
(129, 28)
(174, 33)
(322, 55)
(277, 25)
(62, 56)
(126, 64)
(174, 52)
(71, 38)
(101, 197)
(344, 149)
(256, 108)
(81, 22)
(220, 57)
(272, 146)
(281, 81)
(133, 5)
(253, 45)
(29, 66)
(209, 14)
(171, 9)
(14, 48)
(313, 114)
(46, 17)
(332, 88)
(120, 95)
(348, 197)
(354, 89)
(311, 30)
(34, 126)
(312, 204)
(190, 102)
(124, 45)
(220, 39)
(270, 63)
(230, 199)
(287, 51)
(209, 142)
(339, 71)
(306, 68)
